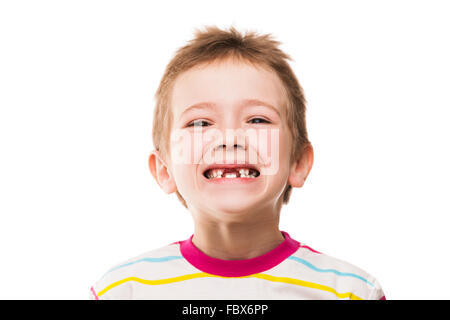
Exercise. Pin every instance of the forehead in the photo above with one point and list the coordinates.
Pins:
(226, 84)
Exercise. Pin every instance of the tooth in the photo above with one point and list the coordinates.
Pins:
(215, 173)
(243, 173)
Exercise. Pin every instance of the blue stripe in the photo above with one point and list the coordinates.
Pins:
(162, 259)
(344, 274)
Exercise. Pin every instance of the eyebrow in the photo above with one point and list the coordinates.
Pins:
(243, 103)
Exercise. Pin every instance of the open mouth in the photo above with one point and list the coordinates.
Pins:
(230, 173)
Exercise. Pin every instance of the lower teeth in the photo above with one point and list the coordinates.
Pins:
(232, 175)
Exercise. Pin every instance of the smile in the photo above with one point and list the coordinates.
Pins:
(230, 173)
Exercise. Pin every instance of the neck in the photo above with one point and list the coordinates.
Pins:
(237, 240)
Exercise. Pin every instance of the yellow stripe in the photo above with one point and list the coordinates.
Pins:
(256, 275)
(306, 284)
(156, 282)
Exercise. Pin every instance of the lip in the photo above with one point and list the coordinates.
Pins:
(233, 165)
(231, 180)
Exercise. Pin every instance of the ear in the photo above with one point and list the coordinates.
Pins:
(160, 171)
(301, 167)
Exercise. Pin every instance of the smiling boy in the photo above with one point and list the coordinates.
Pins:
(230, 140)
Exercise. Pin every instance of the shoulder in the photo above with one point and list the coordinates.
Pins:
(342, 278)
(120, 276)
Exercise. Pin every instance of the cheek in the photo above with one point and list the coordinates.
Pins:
(271, 148)
(186, 153)
(285, 151)
(182, 174)
(186, 147)
(279, 145)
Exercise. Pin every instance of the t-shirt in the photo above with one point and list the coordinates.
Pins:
(292, 270)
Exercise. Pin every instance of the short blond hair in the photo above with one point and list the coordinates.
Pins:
(213, 45)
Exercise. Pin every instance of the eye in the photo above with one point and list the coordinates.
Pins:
(260, 119)
(197, 123)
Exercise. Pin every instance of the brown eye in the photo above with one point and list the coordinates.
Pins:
(197, 123)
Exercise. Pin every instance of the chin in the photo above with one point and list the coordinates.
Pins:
(232, 206)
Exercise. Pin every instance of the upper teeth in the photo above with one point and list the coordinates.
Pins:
(243, 173)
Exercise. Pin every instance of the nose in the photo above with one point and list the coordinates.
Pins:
(229, 152)
(233, 136)
(230, 141)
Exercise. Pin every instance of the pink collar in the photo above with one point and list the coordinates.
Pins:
(238, 268)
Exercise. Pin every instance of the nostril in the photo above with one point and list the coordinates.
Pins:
(224, 146)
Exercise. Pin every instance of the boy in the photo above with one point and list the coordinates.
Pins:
(230, 139)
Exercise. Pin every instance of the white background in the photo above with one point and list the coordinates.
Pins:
(77, 80)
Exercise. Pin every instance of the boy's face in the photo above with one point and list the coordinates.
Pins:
(234, 129)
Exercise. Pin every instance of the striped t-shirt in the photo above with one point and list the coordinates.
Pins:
(292, 270)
